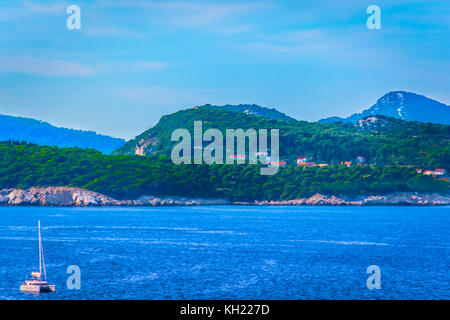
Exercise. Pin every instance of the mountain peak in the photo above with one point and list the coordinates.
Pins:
(403, 105)
(255, 110)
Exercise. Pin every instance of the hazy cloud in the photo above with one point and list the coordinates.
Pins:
(191, 14)
(60, 68)
(46, 67)
(159, 96)
(23, 9)
(112, 31)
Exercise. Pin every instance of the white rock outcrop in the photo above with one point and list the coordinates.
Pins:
(66, 197)
(397, 198)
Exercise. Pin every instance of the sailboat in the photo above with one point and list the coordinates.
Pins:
(37, 284)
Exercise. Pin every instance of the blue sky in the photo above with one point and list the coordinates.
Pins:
(134, 61)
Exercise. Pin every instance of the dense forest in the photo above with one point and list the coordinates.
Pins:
(128, 177)
(385, 141)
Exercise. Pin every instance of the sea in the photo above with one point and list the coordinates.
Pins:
(229, 252)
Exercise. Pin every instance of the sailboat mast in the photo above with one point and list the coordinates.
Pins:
(40, 250)
(43, 263)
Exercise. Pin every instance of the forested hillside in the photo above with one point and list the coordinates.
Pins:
(128, 177)
(381, 140)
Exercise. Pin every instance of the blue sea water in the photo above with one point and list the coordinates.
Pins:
(229, 252)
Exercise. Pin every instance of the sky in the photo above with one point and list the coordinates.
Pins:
(134, 61)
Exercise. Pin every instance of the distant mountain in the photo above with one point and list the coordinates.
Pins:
(403, 105)
(256, 110)
(43, 133)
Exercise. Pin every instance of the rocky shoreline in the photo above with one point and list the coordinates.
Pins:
(397, 198)
(76, 197)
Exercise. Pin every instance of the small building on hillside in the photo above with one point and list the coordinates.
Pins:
(436, 172)
(301, 161)
(276, 163)
(440, 172)
(346, 163)
(238, 156)
(360, 160)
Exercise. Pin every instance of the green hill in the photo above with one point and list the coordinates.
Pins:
(381, 140)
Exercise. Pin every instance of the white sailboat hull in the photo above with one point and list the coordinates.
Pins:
(36, 287)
